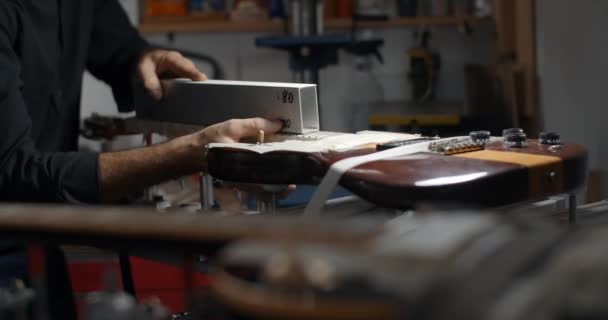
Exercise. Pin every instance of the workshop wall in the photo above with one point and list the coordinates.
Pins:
(573, 67)
(241, 60)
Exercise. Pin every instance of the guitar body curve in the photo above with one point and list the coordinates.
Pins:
(492, 177)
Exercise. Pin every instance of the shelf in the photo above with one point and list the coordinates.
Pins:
(437, 113)
(204, 24)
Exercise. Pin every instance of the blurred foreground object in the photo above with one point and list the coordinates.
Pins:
(15, 300)
(457, 265)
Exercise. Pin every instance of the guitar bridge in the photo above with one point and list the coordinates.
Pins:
(456, 145)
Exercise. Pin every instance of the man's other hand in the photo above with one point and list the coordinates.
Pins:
(158, 62)
(230, 131)
(132, 170)
(234, 130)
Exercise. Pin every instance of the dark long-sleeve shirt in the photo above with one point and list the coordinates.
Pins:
(45, 45)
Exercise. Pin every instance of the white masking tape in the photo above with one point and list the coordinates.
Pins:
(335, 172)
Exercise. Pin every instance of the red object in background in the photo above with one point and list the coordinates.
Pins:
(151, 279)
(159, 8)
(329, 8)
(35, 260)
(344, 8)
(88, 276)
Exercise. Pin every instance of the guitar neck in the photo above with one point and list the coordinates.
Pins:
(316, 142)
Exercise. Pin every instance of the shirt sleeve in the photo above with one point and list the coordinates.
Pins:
(25, 173)
(114, 50)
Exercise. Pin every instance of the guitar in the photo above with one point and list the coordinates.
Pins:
(490, 174)
(97, 127)
(495, 176)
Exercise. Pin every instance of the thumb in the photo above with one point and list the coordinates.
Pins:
(241, 128)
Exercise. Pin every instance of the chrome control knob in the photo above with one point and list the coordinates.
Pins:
(550, 138)
(516, 140)
(480, 136)
(509, 131)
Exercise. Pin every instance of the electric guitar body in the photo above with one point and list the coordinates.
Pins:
(488, 175)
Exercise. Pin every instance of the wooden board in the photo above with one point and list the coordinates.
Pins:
(132, 228)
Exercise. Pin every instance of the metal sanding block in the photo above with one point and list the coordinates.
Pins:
(214, 101)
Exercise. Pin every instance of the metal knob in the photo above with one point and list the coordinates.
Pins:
(550, 138)
(509, 131)
(516, 140)
(480, 136)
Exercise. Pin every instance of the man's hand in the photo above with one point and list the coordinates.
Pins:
(230, 131)
(126, 171)
(156, 63)
(234, 130)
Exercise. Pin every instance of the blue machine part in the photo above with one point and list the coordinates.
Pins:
(196, 5)
(277, 10)
(218, 5)
(301, 196)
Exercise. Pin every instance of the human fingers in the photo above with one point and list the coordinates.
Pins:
(228, 200)
(147, 73)
(232, 131)
(284, 194)
(179, 66)
(238, 129)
